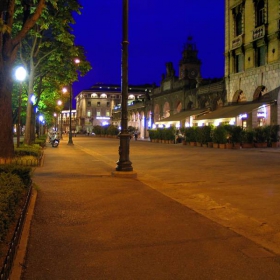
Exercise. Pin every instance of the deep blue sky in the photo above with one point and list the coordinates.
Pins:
(158, 31)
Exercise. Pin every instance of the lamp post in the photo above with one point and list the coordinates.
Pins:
(70, 141)
(124, 164)
(20, 76)
(59, 103)
(55, 121)
(41, 120)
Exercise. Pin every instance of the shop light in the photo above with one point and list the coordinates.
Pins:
(216, 122)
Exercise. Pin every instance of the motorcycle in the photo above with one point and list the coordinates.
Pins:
(55, 143)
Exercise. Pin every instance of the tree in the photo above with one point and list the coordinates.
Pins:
(9, 44)
(48, 53)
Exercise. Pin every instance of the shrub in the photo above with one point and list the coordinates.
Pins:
(12, 189)
(247, 136)
(274, 133)
(191, 134)
(261, 134)
(23, 172)
(237, 134)
(220, 134)
(204, 134)
(25, 150)
(112, 130)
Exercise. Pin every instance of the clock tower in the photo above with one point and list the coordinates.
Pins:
(189, 66)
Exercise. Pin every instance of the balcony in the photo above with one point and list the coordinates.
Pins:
(258, 32)
(237, 42)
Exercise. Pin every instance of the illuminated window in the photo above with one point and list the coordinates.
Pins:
(98, 113)
(103, 95)
(94, 95)
(88, 114)
(107, 113)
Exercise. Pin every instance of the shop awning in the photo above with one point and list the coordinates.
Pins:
(181, 116)
(230, 111)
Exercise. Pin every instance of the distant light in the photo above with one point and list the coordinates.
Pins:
(33, 99)
(77, 60)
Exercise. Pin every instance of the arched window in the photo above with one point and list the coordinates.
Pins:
(103, 95)
(94, 95)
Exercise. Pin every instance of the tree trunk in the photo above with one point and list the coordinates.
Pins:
(6, 117)
(29, 136)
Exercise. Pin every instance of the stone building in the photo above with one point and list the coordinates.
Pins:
(252, 63)
(179, 100)
(94, 106)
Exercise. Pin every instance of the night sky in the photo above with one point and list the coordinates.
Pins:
(158, 31)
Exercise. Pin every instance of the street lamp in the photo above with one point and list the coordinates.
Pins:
(59, 103)
(124, 164)
(70, 141)
(55, 121)
(20, 76)
(41, 121)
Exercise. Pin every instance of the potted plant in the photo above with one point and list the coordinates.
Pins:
(236, 136)
(274, 136)
(261, 136)
(205, 134)
(191, 135)
(247, 138)
(220, 136)
(229, 132)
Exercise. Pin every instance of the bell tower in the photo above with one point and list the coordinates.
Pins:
(189, 65)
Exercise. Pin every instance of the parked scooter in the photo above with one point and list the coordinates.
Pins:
(54, 140)
(55, 143)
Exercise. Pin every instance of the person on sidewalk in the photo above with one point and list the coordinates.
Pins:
(135, 135)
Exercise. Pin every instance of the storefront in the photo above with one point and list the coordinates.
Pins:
(182, 119)
(245, 115)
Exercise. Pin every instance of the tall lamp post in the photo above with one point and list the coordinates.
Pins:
(59, 103)
(20, 76)
(70, 141)
(124, 164)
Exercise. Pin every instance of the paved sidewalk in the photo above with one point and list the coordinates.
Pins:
(90, 225)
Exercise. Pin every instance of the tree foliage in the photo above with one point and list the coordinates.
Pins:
(37, 34)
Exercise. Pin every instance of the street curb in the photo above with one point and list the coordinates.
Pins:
(18, 262)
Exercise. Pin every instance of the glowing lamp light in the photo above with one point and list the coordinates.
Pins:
(33, 99)
(20, 74)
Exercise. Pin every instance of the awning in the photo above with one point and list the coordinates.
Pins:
(180, 116)
(230, 111)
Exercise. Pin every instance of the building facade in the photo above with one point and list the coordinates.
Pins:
(247, 95)
(62, 121)
(252, 64)
(95, 106)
